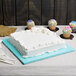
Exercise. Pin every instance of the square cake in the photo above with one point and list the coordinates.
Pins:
(36, 41)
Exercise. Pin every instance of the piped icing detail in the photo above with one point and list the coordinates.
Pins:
(67, 29)
(52, 22)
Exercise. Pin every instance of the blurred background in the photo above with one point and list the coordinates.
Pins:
(17, 12)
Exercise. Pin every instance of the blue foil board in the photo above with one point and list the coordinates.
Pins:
(36, 58)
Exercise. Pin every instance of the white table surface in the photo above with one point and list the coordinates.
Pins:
(60, 65)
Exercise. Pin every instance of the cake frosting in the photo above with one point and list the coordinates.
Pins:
(67, 32)
(52, 22)
(36, 41)
(30, 24)
(67, 29)
(72, 24)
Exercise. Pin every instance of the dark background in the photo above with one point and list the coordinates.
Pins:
(17, 12)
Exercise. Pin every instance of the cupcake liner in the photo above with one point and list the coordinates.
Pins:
(71, 37)
(54, 30)
(26, 28)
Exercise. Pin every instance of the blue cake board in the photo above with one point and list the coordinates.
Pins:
(36, 58)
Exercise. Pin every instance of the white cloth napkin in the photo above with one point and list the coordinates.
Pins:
(4, 58)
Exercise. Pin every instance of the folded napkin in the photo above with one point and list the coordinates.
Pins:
(4, 58)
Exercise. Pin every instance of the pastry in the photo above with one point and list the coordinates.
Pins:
(52, 23)
(67, 32)
(30, 24)
(73, 26)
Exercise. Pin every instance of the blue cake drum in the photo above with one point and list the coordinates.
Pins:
(39, 57)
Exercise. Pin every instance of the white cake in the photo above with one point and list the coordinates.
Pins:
(36, 41)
